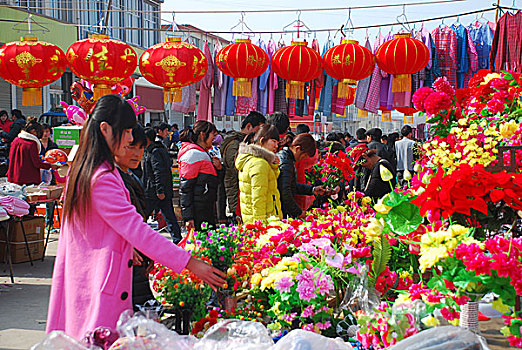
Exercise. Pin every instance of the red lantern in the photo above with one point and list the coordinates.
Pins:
(408, 113)
(242, 61)
(348, 63)
(172, 65)
(402, 57)
(31, 64)
(297, 64)
(102, 61)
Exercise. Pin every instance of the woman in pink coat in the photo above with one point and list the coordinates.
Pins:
(92, 278)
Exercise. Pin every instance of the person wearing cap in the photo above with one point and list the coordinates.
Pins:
(373, 136)
(376, 187)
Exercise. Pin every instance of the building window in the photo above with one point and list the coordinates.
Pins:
(133, 20)
(150, 21)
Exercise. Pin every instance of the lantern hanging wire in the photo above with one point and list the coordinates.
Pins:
(298, 24)
(243, 25)
(403, 20)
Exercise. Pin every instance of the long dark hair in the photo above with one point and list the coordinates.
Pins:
(94, 150)
(192, 134)
(33, 125)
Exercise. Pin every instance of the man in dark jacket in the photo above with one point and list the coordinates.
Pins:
(373, 136)
(157, 180)
(16, 127)
(229, 149)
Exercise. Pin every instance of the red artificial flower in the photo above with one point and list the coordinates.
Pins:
(442, 85)
(436, 102)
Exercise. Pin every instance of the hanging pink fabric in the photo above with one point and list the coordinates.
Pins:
(205, 96)
(271, 48)
(315, 85)
(188, 104)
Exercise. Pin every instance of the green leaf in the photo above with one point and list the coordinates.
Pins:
(394, 199)
(404, 218)
(381, 256)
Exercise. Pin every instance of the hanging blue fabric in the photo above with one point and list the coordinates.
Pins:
(482, 38)
(325, 100)
(462, 53)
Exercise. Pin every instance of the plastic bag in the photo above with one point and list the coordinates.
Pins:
(442, 338)
(299, 339)
(13, 190)
(358, 296)
(59, 340)
(46, 176)
(236, 335)
(139, 333)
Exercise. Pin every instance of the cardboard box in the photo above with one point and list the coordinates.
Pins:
(35, 232)
(66, 136)
(19, 251)
(44, 192)
(53, 191)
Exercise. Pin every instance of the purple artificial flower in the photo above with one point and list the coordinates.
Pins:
(222, 248)
(337, 261)
(290, 318)
(306, 276)
(321, 243)
(308, 327)
(284, 284)
(323, 326)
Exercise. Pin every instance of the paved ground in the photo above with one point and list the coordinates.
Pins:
(23, 305)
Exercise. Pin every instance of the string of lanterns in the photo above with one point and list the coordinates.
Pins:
(104, 62)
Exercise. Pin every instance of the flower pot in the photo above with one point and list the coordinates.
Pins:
(469, 316)
(227, 299)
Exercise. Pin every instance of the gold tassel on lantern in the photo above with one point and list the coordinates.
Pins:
(401, 83)
(172, 95)
(295, 90)
(344, 89)
(101, 90)
(31, 96)
(242, 87)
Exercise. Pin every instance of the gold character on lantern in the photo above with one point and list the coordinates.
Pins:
(336, 60)
(170, 64)
(348, 60)
(26, 61)
(102, 59)
(128, 53)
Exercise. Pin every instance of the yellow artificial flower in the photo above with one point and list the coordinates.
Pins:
(386, 175)
(407, 175)
(374, 229)
(431, 256)
(430, 321)
(508, 129)
(458, 230)
(256, 279)
(500, 306)
(382, 208)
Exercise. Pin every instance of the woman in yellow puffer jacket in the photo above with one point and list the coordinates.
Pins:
(258, 171)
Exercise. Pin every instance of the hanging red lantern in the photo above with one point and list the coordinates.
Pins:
(408, 113)
(31, 64)
(348, 63)
(172, 65)
(102, 61)
(402, 57)
(242, 61)
(297, 64)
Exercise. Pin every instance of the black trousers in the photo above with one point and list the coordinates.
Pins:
(167, 211)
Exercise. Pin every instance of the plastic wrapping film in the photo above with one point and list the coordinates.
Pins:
(299, 339)
(442, 338)
(236, 335)
(59, 340)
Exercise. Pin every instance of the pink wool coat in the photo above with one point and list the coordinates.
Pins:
(92, 278)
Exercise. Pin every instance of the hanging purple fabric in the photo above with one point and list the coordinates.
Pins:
(262, 101)
(373, 99)
(363, 86)
(220, 87)
(205, 96)
(272, 78)
(386, 95)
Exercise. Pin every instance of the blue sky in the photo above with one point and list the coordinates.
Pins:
(319, 20)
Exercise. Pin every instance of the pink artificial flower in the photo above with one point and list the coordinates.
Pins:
(499, 84)
(308, 312)
(323, 326)
(496, 106)
(308, 327)
(284, 284)
(436, 102)
(420, 96)
(306, 290)
(442, 85)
